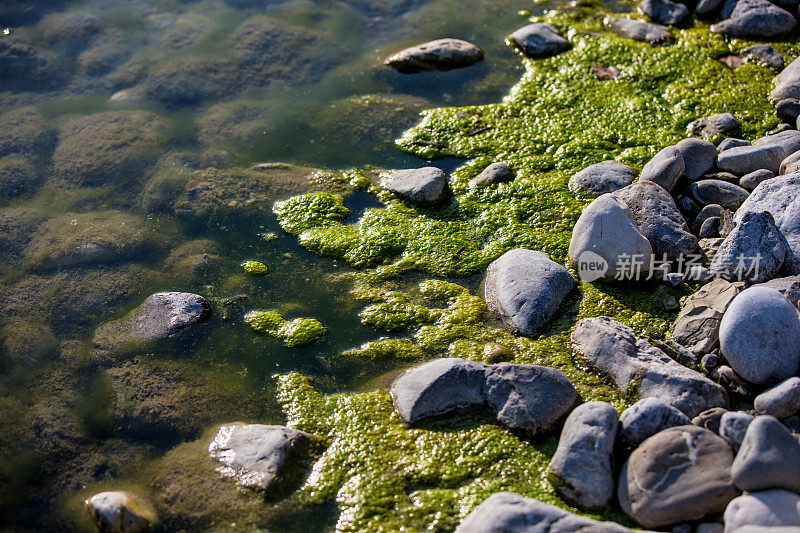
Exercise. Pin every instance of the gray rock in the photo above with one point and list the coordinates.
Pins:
(525, 289)
(508, 512)
(442, 54)
(538, 41)
(495, 173)
(760, 336)
(259, 456)
(761, 510)
(647, 417)
(788, 139)
(788, 286)
(791, 164)
(591, 234)
(750, 181)
(710, 228)
(733, 426)
(614, 350)
(704, 7)
(637, 30)
(788, 110)
(711, 125)
(663, 11)
(766, 55)
(781, 401)
(787, 83)
(710, 527)
(754, 251)
(600, 178)
(425, 186)
(728, 195)
(768, 529)
(666, 167)
(756, 18)
(708, 211)
(680, 474)
(659, 220)
(581, 469)
(710, 419)
(731, 142)
(119, 512)
(769, 457)
(699, 157)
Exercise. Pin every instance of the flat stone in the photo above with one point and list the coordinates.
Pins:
(754, 251)
(781, 401)
(666, 167)
(761, 510)
(751, 181)
(769, 457)
(525, 289)
(756, 18)
(581, 469)
(425, 186)
(615, 351)
(699, 157)
(728, 195)
(495, 173)
(647, 417)
(710, 419)
(601, 178)
(258, 456)
(787, 83)
(663, 11)
(442, 54)
(678, 475)
(731, 142)
(714, 124)
(119, 512)
(733, 426)
(760, 336)
(788, 286)
(538, 41)
(788, 110)
(653, 34)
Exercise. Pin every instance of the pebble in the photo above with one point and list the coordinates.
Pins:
(733, 426)
(790, 164)
(710, 419)
(601, 178)
(425, 186)
(781, 401)
(769, 457)
(653, 34)
(538, 41)
(119, 512)
(442, 54)
(731, 142)
(728, 195)
(750, 181)
(710, 227)
(714, 124)
(766, 55)
(666, 167)
(647, 417)
(495, 173)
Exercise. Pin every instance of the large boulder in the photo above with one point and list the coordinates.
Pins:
(601, 178)
(697, 325)
(426, 186)
(442, 54)
(756, 19)
(781, 401)
(769, 457)
(653, 34)
(754, 251)
(525, 289)
(647, 417)
(762, 510)
(538, 41)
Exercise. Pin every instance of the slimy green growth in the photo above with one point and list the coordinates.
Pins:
(293, 333)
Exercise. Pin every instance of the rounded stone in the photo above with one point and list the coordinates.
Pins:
(119, 512)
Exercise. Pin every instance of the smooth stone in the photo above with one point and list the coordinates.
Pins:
(653, 34)
(766, 55)
(733, 426)
(678, 475)
(538, 41)
(714, 124)
(601, 178)
(659, 220)
(751, 181)
(615, 351)
(760, 336)
(119, 512)
(787, 83)
(754, 251)
(495, 173)
(591, 234)
(769, 457)
(426, 186)
(788, 139)
(647, 417)
(699, 157)
(728, 195)
(763, 509)
(788, 110)
(705, 7)
(710, 419)
(790, 164)
(663, 11)
(731, 142)
(525, 289)
(788, 286)
(710, 527)
(708, 211)
(258, 456)
(710, 227)
(666, 167)
(442, 54)
(746, 159)
(508, 512)
(756, 18)
(781, 401)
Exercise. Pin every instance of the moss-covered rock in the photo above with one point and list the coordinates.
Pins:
(25, 132)
(296, 332)
(27, 67)
(17, 177)
(27, 341)
(17, 225)
(196, 260)
(235, 124)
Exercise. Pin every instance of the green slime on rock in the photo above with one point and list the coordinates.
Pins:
(297, 332)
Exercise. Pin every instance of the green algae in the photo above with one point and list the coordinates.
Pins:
(300, 213)
(255, 268)
(293, 333)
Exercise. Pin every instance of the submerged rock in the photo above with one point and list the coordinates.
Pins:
(539, 41)
(442, 54)
(601, 178)
(425, 186)
(637, 30)
(25, 132)
(119, 512)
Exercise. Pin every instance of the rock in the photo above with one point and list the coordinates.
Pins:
(710, 228)
(259, 456)
(494, 173)
(788, 139)
(647, 417)
(769, 457)
(613, 349)
(666, 167)
(705, 7)
(791, 164)
(763, 510)
(659, 220)
(442, 54)
(710, 419)
(637, 30)
(787, 83)
(525, 289)
(732, 61)
(26, 67)
(425, 186)
(781, 401)
(581, 468)
(699, 157)
(601, 178)
(512, 513)
(731, 142)
(119, 512)
(733, 426)
(746, 159)
(788, 110)
(710, 527)
(680, 474)
(754, 251)
(756, 19)
(17, 177)
(663, 11)
(25, 132)
(708, 211)
(760, 336)
(714, 124)
(591, 234)
(728, 195)
(788, 286)
(604, 73)
(538, 41)
(751, 181)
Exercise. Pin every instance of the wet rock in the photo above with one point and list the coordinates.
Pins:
(259, 456)
(234, 123)
(781, 401)
(751, 181)
(591, 234)
(788, 110)
(754, 251)
(637, 30)
(710, 419)
(538, 41)
(647, 417)
(581, 468)
(525, 289)
(426, 186)
(602, 178)
(699, 157)
(119, 512)
(494, 173)
(666, 167)
(762, 511)
(756, 19)
(769, 457)
(25, 132)
(442, 54)
(787, 83)
(680, 474)
(731, 142)
(17, 177)
(714, 124)
(663, 11)
(71, 28)
(191, 81)
(26, 67)
(719, 192)
(614, 350)
(733, 426)
(760, 336)
(788, 286)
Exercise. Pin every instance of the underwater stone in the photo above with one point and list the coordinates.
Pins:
(663, 11)
(769, 457)
(442, 54)
(666, 167)
(119, 512)
(637, 30)
(539, 41)
(711, 125)
(600, 178)
(426, 186)
(495, 173)
(754, 251)
(756, 18)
